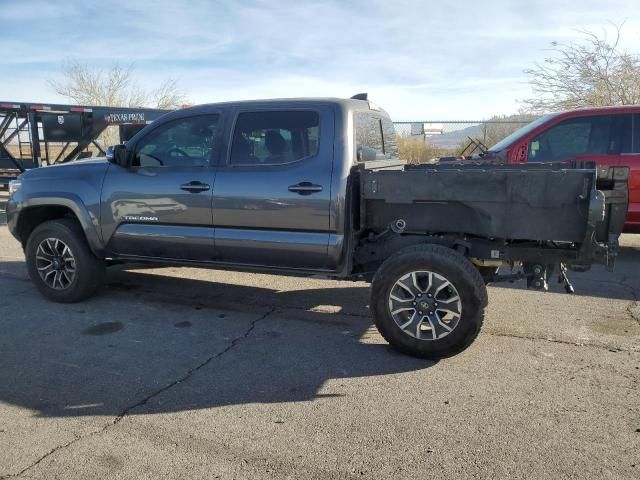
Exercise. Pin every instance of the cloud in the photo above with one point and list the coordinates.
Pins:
(418, 59)
(31, 10)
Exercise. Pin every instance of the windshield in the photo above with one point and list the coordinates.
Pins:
(505, 142)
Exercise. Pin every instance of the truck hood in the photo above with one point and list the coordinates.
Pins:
(80, 168)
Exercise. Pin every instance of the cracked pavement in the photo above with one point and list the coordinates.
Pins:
(185, 373)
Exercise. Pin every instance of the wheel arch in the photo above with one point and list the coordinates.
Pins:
(369, 256)
(35, 211)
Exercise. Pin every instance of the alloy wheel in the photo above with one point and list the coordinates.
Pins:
(425, 305)
(55, 263)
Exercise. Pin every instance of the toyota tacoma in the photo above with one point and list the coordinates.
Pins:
(314, 186)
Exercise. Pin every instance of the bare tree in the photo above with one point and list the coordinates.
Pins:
(168, 95)
(594, 72)
(114, 86)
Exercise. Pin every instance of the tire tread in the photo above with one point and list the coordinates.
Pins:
(421, 348)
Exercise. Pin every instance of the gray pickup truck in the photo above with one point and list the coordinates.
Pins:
(314, 186)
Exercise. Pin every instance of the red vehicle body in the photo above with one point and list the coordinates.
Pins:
(607, 135)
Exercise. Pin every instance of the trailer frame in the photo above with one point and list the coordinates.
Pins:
(21, 127)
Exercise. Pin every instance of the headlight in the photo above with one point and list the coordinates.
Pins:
(14, 186)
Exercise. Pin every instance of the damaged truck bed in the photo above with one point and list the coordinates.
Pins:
(534, 216)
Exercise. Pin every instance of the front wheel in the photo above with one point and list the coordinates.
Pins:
(60, 262)
(428, 301)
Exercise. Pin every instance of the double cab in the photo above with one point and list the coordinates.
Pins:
(314, 187)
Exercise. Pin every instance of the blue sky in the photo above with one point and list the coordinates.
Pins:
(418, 59)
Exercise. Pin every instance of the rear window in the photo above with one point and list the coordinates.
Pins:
(389, 138)
(375, 137)
(275, 137)
(621, 132)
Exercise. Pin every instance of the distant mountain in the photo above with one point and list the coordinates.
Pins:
(452, 139)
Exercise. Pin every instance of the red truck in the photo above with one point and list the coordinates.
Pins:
(607, 135)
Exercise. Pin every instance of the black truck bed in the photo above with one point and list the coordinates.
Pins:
(543, 202)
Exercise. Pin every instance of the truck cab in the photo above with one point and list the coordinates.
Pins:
(609, 136)
(258, 183)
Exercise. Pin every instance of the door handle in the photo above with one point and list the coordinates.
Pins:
(305, 188)
(195, 187)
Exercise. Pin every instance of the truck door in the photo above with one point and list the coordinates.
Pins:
(160, 206)
(272, 196)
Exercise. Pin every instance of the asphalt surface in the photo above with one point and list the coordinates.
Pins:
(185, 373)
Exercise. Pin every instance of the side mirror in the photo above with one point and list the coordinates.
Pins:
(119, 155)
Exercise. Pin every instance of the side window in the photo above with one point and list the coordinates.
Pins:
(185, 142)
(369, 139)
(275, 137)
(389, 138)
(572, 137)
(621, 133)
(635, 145)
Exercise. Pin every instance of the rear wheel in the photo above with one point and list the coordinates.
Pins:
(428, 301)
(60, 262)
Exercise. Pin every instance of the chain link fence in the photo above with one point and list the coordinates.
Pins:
(422, 141)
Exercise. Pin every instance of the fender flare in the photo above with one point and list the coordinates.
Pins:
(88, 221)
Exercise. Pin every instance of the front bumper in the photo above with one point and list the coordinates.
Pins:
(13, 211)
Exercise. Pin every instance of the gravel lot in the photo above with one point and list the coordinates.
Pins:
(185, 373)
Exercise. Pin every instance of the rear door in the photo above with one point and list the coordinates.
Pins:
(272, 196)
(160, 206)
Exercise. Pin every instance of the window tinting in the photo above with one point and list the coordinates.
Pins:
(521, 132)
(270, 138)
(180, 143)
(635, 147)
(389, 138)
(570, 138)
(621, 132)
(369, 140)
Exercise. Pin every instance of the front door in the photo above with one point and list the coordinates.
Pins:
(593, 138)
(160, 206)
(272, 196)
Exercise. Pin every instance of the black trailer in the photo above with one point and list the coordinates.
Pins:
(37, 134)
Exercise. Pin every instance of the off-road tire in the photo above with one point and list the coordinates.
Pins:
(89, 270)
(443, 261)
